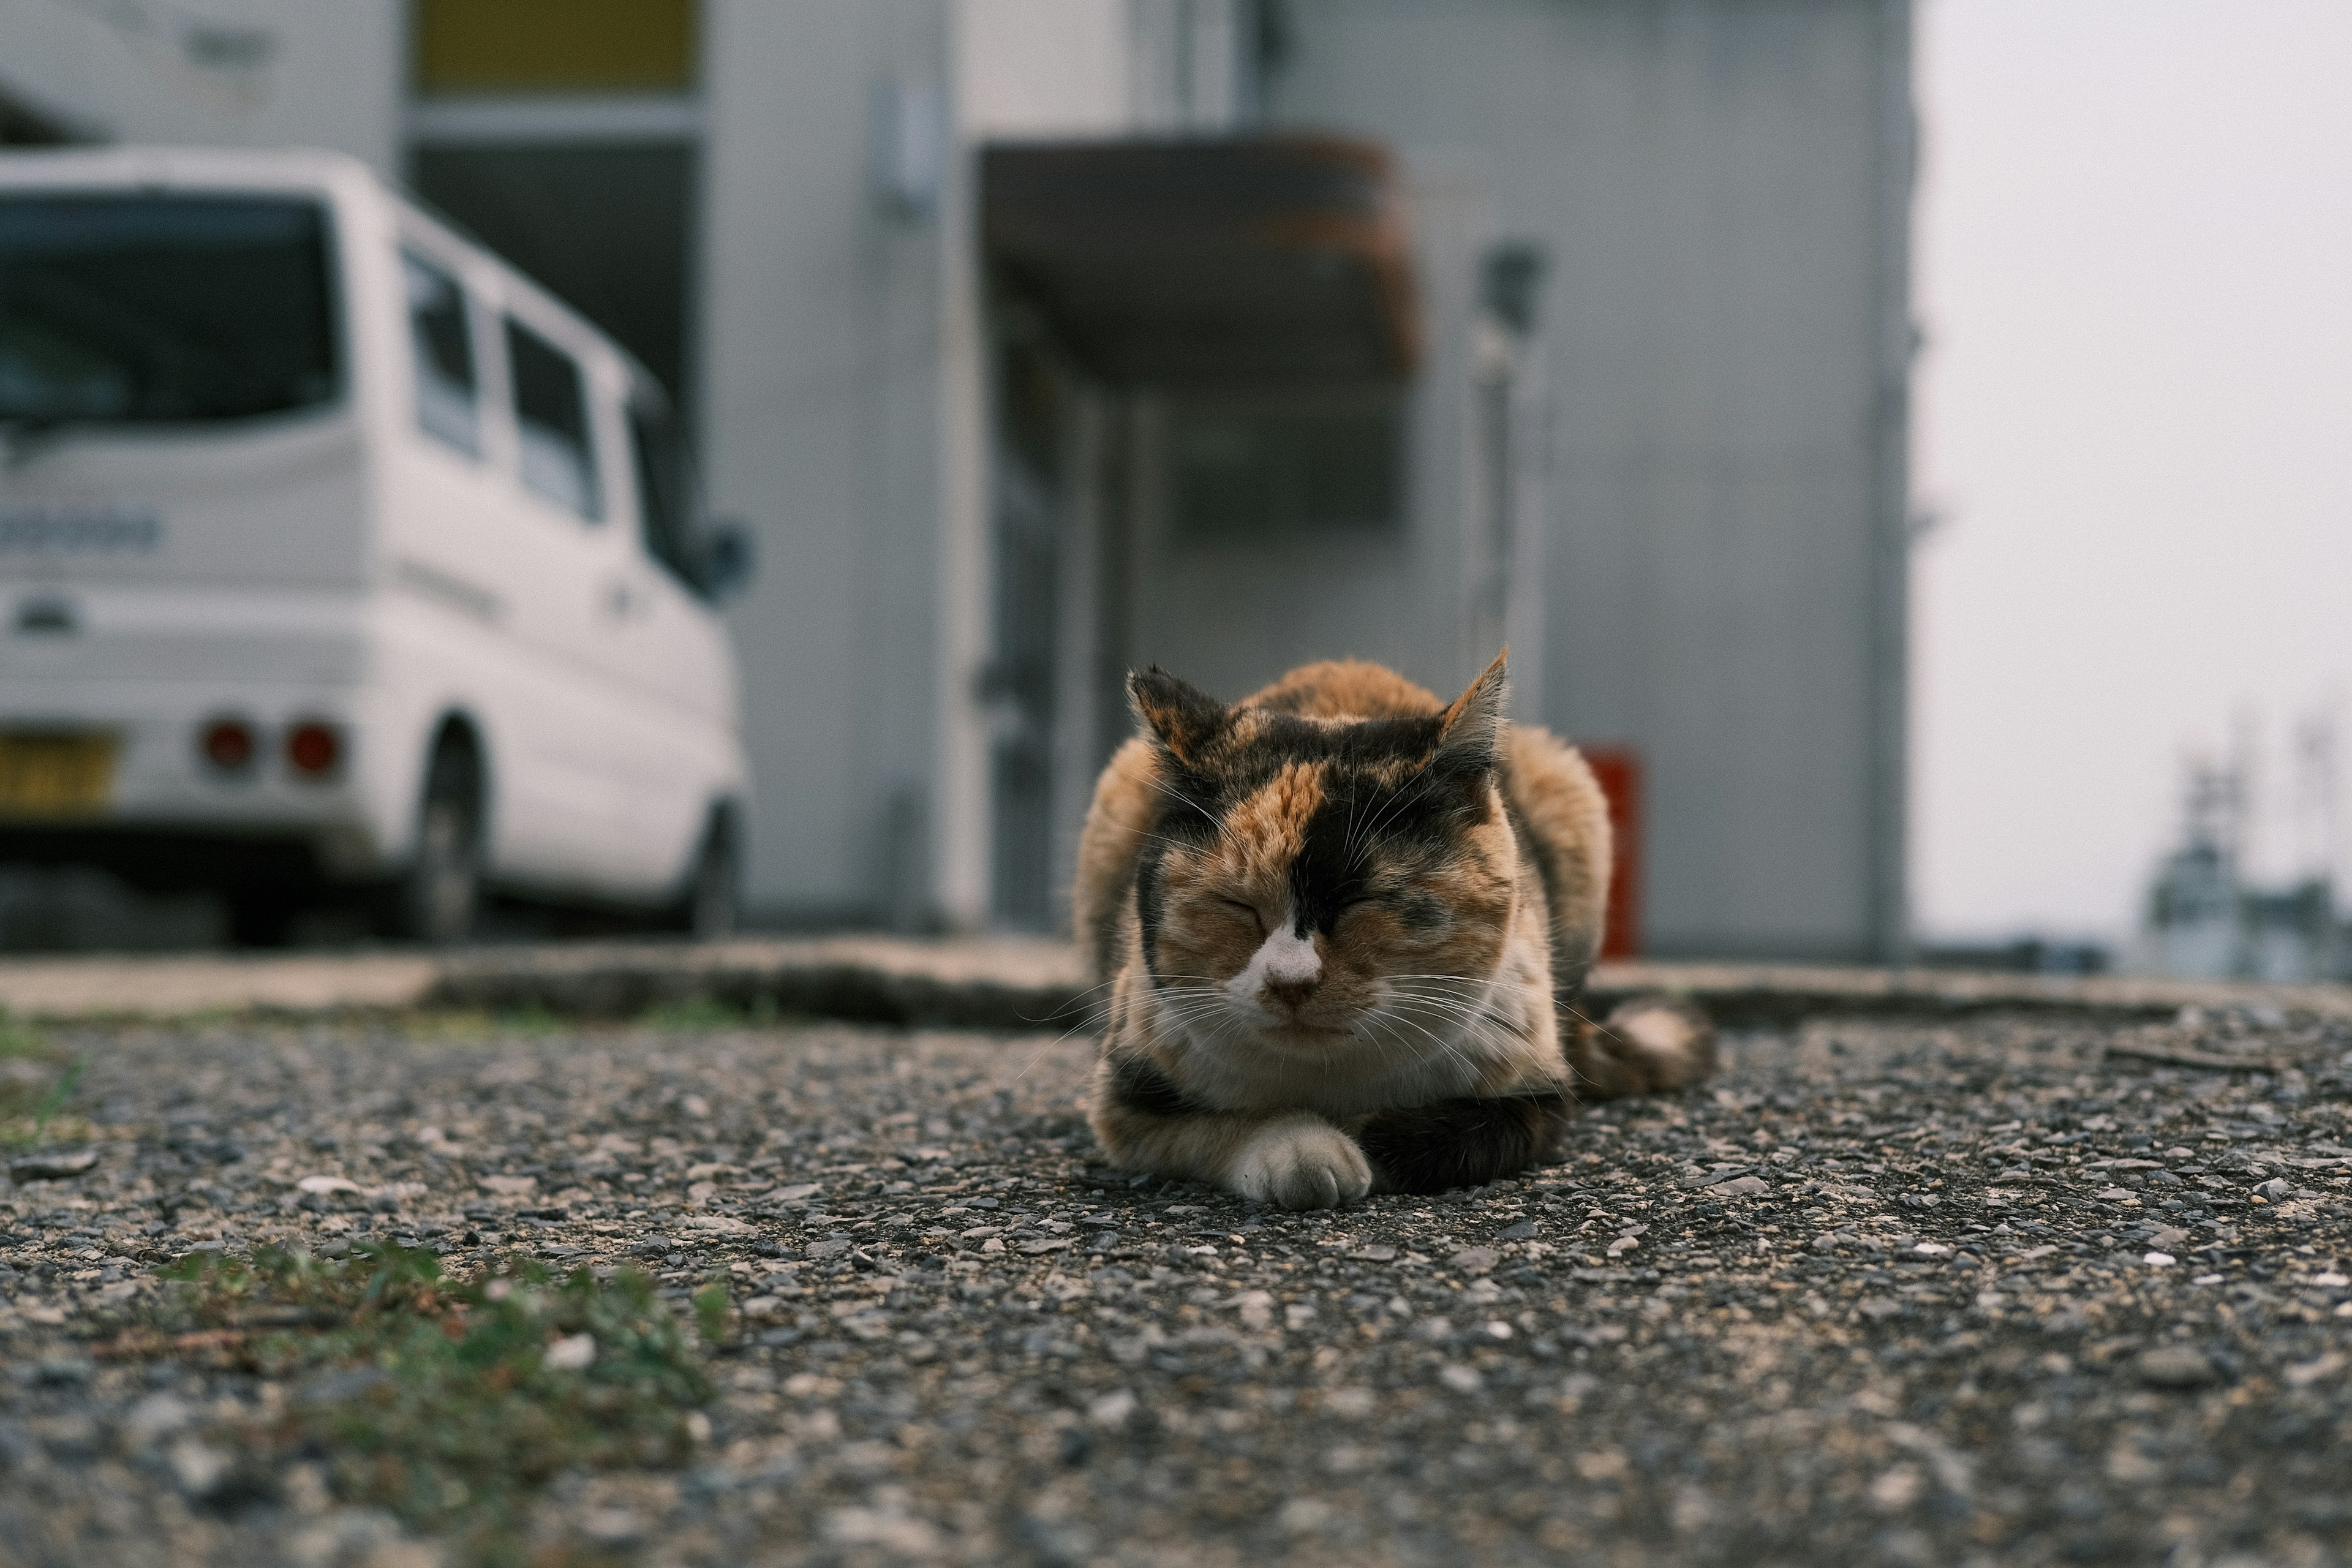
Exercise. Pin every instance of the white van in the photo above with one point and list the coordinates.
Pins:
(338, 561)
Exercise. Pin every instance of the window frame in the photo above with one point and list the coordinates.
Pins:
(514, 322)
(639, 405)
(408, 252)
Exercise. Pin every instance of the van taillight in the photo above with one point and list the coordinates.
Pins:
(313, 749)
(228, 744)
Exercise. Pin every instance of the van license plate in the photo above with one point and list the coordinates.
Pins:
(46, 775)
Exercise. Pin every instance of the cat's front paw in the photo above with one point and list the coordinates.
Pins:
(1301, 1163)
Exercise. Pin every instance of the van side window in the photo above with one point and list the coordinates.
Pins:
(663, 495)
(551, 398)
(443, 353)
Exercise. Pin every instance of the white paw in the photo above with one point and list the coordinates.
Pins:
(1300, 1162)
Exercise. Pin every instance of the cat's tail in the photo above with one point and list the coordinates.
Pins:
(1650, 1045)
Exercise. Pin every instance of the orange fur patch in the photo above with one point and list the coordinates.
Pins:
(1269, 825)
(1346, 688)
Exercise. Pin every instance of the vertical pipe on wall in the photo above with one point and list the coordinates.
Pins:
(1897, 160)
(960, 770)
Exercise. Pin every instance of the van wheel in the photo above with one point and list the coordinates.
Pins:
(712, 902)
(260, 917)
(436, 899)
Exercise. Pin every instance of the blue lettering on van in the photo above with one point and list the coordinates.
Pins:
(71, 529)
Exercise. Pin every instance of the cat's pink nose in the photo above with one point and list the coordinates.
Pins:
(1291, 993)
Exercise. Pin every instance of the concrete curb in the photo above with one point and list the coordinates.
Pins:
(984, 983)
(1003, 983)
(1780, 993)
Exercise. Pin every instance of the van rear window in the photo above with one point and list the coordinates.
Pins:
(163, 309)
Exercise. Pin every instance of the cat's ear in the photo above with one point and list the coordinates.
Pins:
(1180, 716)
(1472, 731)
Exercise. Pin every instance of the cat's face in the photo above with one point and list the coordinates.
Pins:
(1321, 886)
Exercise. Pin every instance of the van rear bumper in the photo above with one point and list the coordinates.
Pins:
(162, 794)
(179, 858)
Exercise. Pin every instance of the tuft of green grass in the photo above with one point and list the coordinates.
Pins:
(703, 1012)
(710, 1311)
(697, 1013)
(36, 1081)
(533, 1020)
(19, 1038)
(451, 1402)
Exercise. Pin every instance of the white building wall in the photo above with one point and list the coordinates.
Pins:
(1714, 182)
(820, 359)
(238, 73)
(1044, 69)
(845, 379)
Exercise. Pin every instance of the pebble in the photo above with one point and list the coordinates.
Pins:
(155, 1417)
(2176, 1366)
(570, 1353)
(197, 1467)
(62, 1165)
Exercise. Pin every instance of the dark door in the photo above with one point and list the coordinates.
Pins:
(1021, 692)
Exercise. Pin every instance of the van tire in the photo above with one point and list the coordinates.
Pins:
(710, 903)
(436, 899)
(259, 917)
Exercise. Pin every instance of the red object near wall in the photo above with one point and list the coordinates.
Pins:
(1619, 770)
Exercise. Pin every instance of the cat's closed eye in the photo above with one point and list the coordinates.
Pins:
(1241, 907)
(1423, 911)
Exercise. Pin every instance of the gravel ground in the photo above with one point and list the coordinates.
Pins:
(1992, 1292)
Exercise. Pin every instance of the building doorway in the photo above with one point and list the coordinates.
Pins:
(1031, 402)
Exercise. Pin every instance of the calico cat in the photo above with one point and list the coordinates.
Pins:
(1344, 926)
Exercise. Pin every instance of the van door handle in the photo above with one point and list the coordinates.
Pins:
(619, 602)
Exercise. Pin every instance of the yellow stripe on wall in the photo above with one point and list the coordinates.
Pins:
(555, 45)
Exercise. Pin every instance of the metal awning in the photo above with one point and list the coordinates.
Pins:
(1246, 261)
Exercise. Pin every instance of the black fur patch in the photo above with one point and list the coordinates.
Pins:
(1463, 1143)
(1138, 1086)
(1328, 872)
(1147, 908)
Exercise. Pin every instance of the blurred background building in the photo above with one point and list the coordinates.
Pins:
(2212, 914)
(1041, 338)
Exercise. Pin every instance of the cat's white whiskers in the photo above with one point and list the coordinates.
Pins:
(1224, 829)
(1482, 1027)
(1594, 1024)
(1445, 1045)
(1389, 1035)
(1467, 1019)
